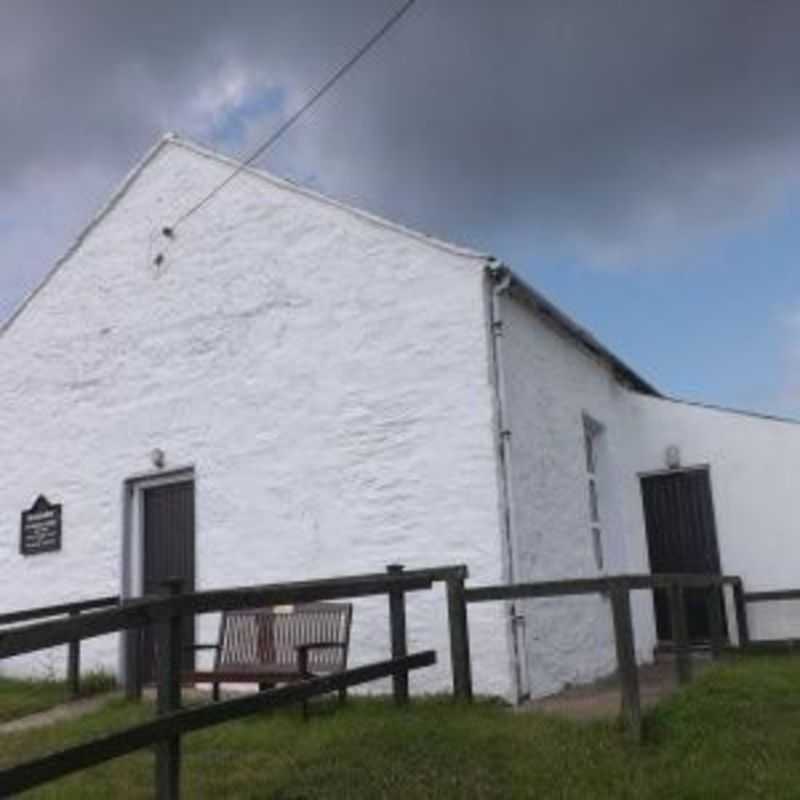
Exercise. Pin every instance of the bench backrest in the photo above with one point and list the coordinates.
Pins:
(268, 637)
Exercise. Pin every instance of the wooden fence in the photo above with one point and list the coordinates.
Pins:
(772, 596)
(71, 610)
(166, 613)
(618, 589)
(165, 731)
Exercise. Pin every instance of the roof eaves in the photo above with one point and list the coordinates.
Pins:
(546, 308)
(99, 216)
(728, 410)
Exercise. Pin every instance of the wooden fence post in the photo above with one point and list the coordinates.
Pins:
(680, 633)
(74, 664)
(626, 659)
(741, 615)
(170, 657)
(460, 658)
(714, 598)
(397, 627)
(134, 668)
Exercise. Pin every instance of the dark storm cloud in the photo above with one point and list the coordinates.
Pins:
(610, 127)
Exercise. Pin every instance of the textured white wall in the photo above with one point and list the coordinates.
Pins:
(325, 375)
(550, 384)
(754, 465)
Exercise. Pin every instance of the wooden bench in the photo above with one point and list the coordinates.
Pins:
(269, 646)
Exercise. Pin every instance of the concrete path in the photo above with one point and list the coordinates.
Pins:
(601, 700)
(60, 713)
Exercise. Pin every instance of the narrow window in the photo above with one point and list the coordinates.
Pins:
(592, 431)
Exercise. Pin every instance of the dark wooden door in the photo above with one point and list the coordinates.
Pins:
(681, 538)
(169, 552)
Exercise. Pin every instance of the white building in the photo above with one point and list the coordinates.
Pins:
(333, 393)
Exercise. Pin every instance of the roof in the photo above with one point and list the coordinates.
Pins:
(285, 183)
(535, 299)
(565, 323)
(728, 410)
(99, 216)
(172, 139)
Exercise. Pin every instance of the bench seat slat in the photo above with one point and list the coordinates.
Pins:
(249, 675)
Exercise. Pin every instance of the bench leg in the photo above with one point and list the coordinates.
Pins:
(342, 696)
(263, 686)
(215, 692)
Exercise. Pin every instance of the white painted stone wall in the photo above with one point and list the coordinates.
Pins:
(550, 384)
(326, 375)
(755, 474)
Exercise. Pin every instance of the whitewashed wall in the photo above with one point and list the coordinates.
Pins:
(326, 376)
(755, 480)
(550, 384)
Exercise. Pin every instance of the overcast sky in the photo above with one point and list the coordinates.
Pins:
(637, 160)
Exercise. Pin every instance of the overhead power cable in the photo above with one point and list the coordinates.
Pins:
(276, 136)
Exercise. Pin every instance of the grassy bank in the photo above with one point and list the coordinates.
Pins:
(19, 698)
(733, 734)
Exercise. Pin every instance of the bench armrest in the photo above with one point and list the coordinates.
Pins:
(302, 653)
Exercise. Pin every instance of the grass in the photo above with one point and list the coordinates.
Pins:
(735, 733)
(18, 698)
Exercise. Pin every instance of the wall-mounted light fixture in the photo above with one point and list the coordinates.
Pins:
(158, 458)
(673, 456)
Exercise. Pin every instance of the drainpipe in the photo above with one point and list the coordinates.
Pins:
(502, 278)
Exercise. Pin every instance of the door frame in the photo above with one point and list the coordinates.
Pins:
(701, 467)
(132, 559)
(655, 473)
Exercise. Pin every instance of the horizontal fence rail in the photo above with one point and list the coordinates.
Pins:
(73, 610)
(576, 586)
(144, 611)
(63, 609)
(74, 759)
(771, 596)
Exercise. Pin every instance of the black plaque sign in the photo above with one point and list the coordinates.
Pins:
(40, 531)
